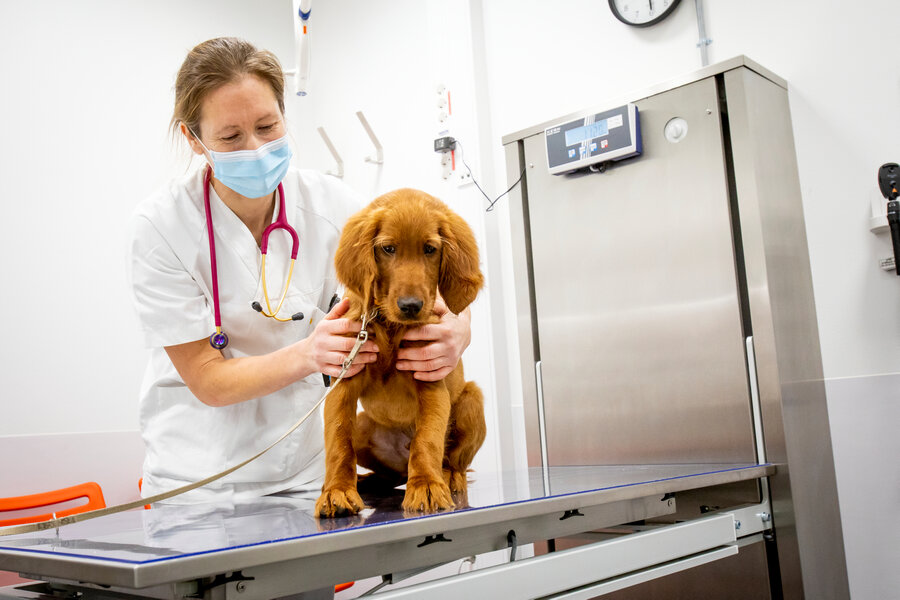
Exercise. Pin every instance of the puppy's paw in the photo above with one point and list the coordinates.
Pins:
(458, 483)
(338, 503)
(427, 495)
(456, 480)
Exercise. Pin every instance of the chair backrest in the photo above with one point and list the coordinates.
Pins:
(89, 490)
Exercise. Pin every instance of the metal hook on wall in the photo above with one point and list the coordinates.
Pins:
(339, 173)
(378, 158)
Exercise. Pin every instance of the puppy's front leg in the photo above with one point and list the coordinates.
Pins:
(426, 489)
(339, 495)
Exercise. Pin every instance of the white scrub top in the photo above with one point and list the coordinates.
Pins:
(169, 261)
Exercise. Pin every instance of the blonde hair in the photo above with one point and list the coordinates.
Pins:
(214, 63)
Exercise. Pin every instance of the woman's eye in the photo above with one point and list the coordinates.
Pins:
(429, 249)
(230, 138)
(266, 128)
(388, 249)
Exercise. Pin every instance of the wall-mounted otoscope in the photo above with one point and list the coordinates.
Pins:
(889, 183)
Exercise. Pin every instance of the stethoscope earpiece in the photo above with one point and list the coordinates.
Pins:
(297, 316)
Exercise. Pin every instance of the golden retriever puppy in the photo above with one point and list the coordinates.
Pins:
(394, 257)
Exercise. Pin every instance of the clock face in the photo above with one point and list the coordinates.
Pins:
(642, 13)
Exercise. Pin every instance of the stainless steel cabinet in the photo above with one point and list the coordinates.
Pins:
(666, 311)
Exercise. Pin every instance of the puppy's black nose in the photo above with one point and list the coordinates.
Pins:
(409, 306)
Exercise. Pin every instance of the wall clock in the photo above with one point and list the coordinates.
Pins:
(642, 13)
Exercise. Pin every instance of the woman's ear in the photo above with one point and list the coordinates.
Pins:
(460, 277)
(354, 260)
(191, 140)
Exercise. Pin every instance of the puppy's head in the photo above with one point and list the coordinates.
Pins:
(398, 251)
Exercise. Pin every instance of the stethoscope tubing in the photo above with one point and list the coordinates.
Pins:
(217, 315)
(219, 339)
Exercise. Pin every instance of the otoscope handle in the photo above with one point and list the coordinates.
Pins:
(893, 218)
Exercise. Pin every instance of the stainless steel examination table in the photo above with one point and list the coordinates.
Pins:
(274, 547)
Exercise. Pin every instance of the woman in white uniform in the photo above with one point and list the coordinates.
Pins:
(205, 406)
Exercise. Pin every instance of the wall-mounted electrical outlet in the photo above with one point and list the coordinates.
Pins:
(446, 169)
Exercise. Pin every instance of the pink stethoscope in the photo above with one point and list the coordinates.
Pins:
(219, 339)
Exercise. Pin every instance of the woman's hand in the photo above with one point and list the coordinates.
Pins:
(447, 341)
(328, 346)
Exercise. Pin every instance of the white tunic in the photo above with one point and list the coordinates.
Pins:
(185, 439)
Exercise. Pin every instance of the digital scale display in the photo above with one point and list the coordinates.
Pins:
(586, 132)
(592, 139)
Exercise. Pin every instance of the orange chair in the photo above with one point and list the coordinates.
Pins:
(89, 490)
(140, 488)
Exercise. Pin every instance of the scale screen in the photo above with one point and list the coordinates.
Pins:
(586, 132)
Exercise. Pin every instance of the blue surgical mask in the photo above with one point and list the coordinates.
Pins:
(252, 173)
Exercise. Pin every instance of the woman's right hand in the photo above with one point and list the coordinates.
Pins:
(331, 341)
(218, 381)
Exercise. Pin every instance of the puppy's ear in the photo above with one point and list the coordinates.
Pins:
(460, 278)
(354, 260)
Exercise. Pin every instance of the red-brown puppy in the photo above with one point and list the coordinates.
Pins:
(394, 257)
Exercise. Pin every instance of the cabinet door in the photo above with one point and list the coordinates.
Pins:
(637, 303)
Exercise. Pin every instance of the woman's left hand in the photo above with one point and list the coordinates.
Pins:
(447, 341)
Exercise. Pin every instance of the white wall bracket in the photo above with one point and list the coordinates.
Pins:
(878, 224)
(378, 157)
(339, 171)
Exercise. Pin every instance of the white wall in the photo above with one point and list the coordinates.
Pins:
(86, 106)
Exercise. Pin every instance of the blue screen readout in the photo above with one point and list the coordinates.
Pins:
(586, 132)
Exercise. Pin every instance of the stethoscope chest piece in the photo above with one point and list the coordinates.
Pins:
(218, 340)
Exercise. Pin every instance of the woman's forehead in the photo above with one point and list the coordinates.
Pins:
(239, 103)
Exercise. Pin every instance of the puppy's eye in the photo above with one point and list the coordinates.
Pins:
(388, 249)
(429, 249)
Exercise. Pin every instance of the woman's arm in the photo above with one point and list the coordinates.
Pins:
(219, 381)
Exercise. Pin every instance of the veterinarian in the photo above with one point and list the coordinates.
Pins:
(234, 362)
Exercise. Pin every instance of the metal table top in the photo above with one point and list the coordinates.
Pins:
(176, 543)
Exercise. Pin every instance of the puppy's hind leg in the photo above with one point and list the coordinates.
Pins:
(465, 435)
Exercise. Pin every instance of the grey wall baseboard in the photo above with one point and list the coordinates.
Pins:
(864, 413)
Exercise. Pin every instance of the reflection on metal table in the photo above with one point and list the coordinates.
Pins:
(274, 546)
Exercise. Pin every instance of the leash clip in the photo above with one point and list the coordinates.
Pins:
(361, 338)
